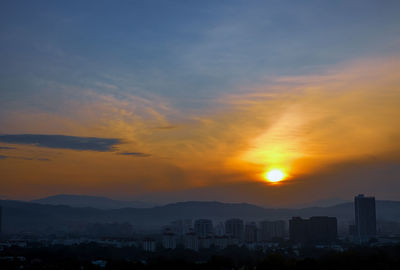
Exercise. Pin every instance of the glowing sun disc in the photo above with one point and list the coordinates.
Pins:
(275, 175)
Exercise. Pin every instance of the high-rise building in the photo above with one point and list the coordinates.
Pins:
(219, 229)
(315, 230)
(250, 232)
(149, 244)
(191, 241)
(168, 240)
(206, 242)
(203, 227)
(365, 217)
(298, 231)
(181, 226)
(235, 228)
(221, 241)
(272, 229)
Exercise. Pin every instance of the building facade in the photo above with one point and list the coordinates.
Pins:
(181, 226)
(272, 229)
(250, 232)
(149, 245)
(203, 228)
(315, 230)
(169, 240)
(234, 228)
(191, 241)
(365, 217)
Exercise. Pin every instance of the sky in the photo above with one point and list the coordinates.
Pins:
(166, 101)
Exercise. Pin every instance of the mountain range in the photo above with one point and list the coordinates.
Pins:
(21, 216)
(91, 201)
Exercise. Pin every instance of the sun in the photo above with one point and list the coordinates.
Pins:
(275, 175)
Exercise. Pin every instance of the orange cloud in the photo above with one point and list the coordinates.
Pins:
(303, 124)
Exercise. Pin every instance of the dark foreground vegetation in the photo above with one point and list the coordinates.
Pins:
(92, 256)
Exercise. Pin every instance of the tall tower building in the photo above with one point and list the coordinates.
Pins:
(365, 217)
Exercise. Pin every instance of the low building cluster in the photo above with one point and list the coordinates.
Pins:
(203, 234)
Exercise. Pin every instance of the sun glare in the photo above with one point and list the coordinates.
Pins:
(275, 175)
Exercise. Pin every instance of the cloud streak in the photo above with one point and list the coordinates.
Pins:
(6, 148)
(135, 154)
(62, 141)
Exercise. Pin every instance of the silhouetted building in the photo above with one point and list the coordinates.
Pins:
(272, 229)
(169, 240)
(181, 226)
(316, 230)
(365, 217)
(191, 241)
(149, 245)
(250, 232)
(221, 241)
(206, 242)
(234, 228)
(203, 227)
(219, 229)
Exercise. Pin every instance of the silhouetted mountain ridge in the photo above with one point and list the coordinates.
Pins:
(91, 201)
(27, 216)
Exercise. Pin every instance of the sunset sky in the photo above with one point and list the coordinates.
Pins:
(166, 101)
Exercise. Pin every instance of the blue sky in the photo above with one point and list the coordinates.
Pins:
(188, 51)
(151, 97)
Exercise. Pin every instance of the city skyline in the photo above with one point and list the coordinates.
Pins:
(268, 103)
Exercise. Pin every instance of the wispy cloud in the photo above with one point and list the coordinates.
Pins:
(24, 158)
(6, 148)
(43, 159)
(62, 141)
(135, 154)
(308, 123)
(166, 127)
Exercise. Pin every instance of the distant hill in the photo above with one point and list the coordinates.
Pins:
(34, 217)
(91, 201)
(323, 203)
